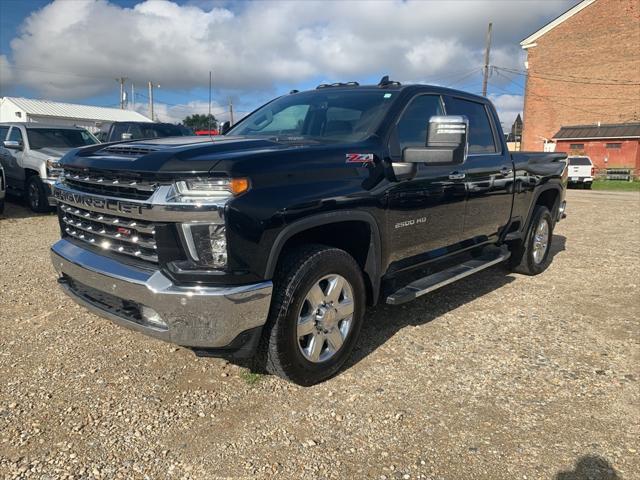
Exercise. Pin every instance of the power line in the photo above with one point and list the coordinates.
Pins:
(564, 80)
(555, 101)
(625, 101)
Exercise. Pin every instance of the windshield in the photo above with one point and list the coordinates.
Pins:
(337, 117)
(58, 138)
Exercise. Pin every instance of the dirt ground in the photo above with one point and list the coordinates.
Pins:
(499, 376)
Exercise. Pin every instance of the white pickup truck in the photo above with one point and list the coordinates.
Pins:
(580, 171)
(29, 153)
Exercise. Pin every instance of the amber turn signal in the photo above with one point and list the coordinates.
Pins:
(238, 185)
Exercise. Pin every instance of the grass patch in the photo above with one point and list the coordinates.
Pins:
(250, 378)
(617, 185)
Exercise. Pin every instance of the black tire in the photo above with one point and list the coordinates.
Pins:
(2, 206)
(279, 352)
(523, 257)
(587, 185)
(36, 195)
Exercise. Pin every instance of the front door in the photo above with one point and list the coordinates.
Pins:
(425, 214)
(488, 173)
(12, 160)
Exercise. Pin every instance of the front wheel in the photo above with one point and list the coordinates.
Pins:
(316, 314)
(531, 256)
(37, 195)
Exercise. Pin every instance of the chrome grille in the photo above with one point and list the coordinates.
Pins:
(117, 234)
(122, 187)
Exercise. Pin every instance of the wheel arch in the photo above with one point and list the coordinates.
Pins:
(548, 196)
(316, 229)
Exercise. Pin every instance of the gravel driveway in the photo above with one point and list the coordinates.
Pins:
(499, 376)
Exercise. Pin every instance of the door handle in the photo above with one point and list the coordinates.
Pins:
(456, 176)
(506, 171)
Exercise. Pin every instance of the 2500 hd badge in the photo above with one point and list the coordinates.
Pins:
(409, 223)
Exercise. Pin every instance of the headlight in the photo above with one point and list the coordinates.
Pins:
(54, 168)
(199, 189)
(207, 244)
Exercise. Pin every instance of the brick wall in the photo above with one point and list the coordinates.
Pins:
(601, 43)
(627, 156)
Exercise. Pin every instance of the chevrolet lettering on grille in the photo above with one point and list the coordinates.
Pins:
(97, 202)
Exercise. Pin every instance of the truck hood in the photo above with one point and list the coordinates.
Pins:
(49, 152)
(171, 155)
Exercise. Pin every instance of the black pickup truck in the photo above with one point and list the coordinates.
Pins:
(270, 241)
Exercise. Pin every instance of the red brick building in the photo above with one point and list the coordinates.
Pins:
(608, 146)
(583, 68)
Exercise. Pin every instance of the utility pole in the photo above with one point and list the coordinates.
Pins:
(230, 111)
(151, 100)
(485, 78)
(133, 97)
(121, 80)
(209, 117)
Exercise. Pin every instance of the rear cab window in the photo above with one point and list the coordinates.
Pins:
(482, 139)
(580, 161)
(4, 130)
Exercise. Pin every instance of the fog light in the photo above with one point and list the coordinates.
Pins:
(150, 316)
(207, 244)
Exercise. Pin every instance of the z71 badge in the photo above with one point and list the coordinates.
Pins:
(363, 158)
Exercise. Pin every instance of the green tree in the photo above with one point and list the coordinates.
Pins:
(199, 121)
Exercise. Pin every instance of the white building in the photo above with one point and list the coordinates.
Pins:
(14, 109)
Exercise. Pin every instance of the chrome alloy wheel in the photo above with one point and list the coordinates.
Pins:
(540, 241)
(325, 319)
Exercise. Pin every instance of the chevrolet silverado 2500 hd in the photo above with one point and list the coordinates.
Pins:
(272, 240)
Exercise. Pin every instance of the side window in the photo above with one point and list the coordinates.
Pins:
(3, 133)
(414, 123)
(481, 139)
(118, 130)
(15, 135)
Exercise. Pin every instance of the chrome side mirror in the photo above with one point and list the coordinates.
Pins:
(13, 144)
(225, 127)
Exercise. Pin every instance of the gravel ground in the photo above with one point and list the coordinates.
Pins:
(499, 376)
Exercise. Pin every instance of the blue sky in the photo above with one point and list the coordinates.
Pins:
(72, 50)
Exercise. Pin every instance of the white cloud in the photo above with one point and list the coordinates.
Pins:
(6, 74)
(253, 46)
(508, 107)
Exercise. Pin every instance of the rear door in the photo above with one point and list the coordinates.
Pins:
(427, 212)
(488, 172)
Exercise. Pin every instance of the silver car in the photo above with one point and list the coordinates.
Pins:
(29, 154)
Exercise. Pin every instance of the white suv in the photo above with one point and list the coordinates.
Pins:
(581, 171)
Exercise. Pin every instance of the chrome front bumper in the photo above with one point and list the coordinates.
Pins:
(203, 317)
(48, 185)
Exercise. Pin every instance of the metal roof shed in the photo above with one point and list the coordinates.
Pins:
(15, 109)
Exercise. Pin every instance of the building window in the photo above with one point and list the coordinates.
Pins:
(576, 146)
(614, 145)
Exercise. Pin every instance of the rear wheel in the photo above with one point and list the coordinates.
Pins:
(36, 195)
(587, 185)
(531, 257)
(315, 317)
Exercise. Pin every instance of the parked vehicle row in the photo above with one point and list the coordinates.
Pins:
(271, 241)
